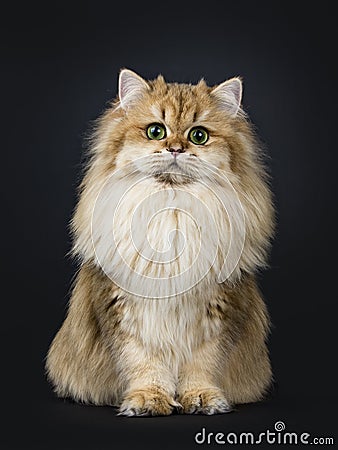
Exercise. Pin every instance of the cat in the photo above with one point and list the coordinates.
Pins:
(175, 217)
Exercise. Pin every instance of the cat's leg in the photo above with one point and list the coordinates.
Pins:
(232, 367)
(210, 385)
(151, 385)
(146, 384)
(198, 388)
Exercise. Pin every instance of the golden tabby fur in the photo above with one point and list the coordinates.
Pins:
(153, 347)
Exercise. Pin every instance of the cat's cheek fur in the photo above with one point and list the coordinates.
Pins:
(131, 343)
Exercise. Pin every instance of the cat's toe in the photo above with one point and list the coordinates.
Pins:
(150, 401)
(204, 401)
(191, 403)
(217, 406)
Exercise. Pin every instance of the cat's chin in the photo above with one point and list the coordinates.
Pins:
(174, 173)
(177, 178)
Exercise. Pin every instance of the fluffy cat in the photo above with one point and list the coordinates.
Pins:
(173, 221)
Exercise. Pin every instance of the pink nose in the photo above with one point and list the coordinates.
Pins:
(175, 150)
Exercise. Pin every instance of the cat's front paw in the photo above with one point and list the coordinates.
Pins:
(149, 401)
(204, 401)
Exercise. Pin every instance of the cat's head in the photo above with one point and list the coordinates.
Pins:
(170, 130)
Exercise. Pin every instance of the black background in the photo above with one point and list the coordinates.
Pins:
(60, 68)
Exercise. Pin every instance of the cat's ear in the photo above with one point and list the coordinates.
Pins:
(131, 87)
(229, 95)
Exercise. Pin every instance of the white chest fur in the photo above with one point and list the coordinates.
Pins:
(157, 242)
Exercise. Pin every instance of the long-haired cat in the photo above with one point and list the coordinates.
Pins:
(173, 221)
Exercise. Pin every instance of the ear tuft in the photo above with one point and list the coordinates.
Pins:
(131, 87)
(229, 95)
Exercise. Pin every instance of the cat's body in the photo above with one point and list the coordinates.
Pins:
(165, 312)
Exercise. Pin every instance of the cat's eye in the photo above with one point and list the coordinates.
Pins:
(198, 135)
(156, 131)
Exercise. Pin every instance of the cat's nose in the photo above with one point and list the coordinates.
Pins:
(175, 150)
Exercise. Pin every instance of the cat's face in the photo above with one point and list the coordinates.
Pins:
(170, 131)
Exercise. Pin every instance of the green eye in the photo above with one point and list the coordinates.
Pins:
(156, 131)
(198, 136)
